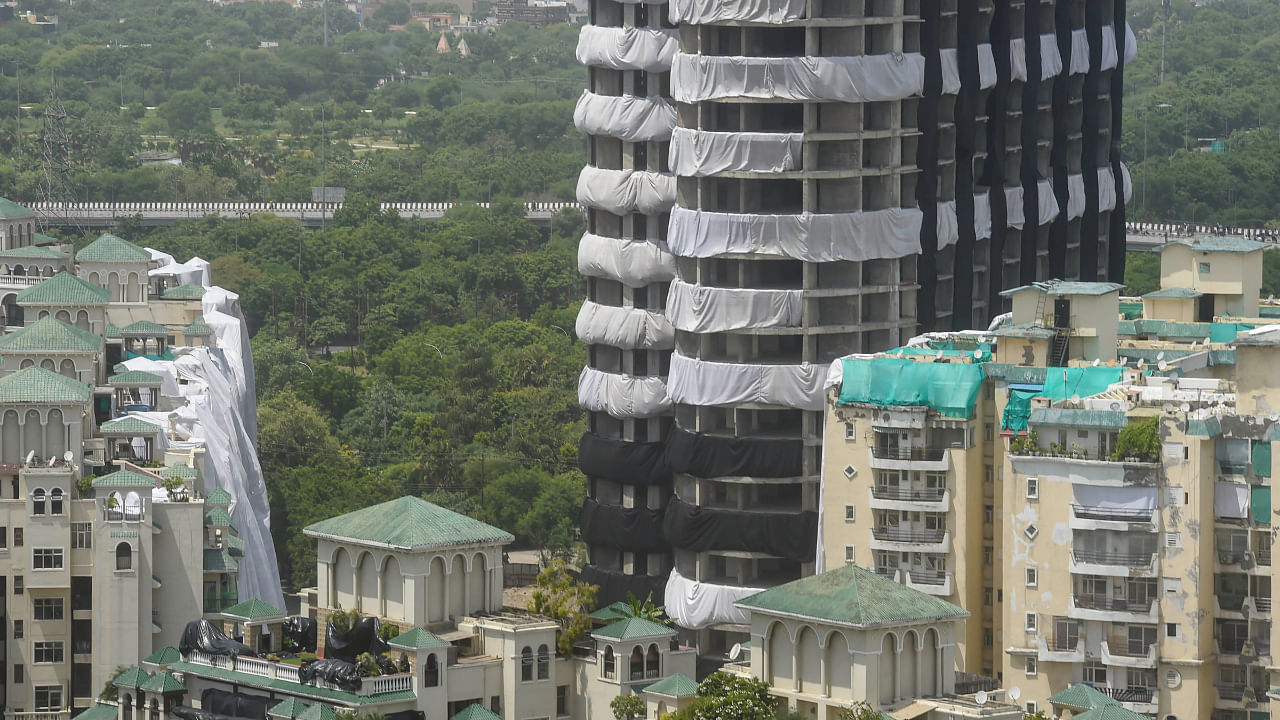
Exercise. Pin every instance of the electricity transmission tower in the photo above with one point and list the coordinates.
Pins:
(55, 180)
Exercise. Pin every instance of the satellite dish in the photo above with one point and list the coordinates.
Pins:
(1162, 365)
(30, 454)
(735, 652)
(981, 697)
(52, 460)
(1075, 399)
(68, 456)
(1015, 692)
(1140, 363)
(938, 355)
(977, 354)
(1115, 406)
(1184, 407)
(1097, 362)
(1160, 356)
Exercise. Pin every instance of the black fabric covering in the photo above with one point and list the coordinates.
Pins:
(966, 110)
(189, 713)
(302, 631)
(993, 168)
(1090, 126)
(240, 705)
(407, 715)
(361, 638)
(709, 456)
(787, 535)
(1118, 235)
(927, 161)
(630, 463)
(204, 636)
(1030, 171)
(627, 529)
(339, 672)
(615, 585)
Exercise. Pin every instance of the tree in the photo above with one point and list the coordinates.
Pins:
(326, 329)
(562, 599)
(1140, 439)
(861, 710)
(643, 609)
(627, 707)
(725, 696)
(187, 111)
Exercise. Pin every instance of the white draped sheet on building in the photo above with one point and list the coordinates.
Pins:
(1114, 498)
(1231, 500)
(622, 396)
(1050, 58)
(626, 191)
(707, 383)
(710, 12)
(697, 153)
(702, 309)
(623, 327)
(696, 605)
(634, 263)
(813, 237)
(632, 118)
(627, 48)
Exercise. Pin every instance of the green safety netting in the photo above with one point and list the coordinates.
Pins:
(1225, 332)
(1059, 384)
(950, 389)
(1131, 310)
(1018, 410)
(1260, 504)
(1261, 457)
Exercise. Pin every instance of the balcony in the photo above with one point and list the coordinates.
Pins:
(1111, 609)
(1231, 692)
(1124, 515)
(1056, 648)
(1263, 557)
(968, 683)
(369, 686)
(1127, 652)
(1244, 648)
(905, 539)
(910, 498)
(930, 582)
(1127, 694)
(932, 459)
(1231, 557)
(217, 602)
(1124, 564)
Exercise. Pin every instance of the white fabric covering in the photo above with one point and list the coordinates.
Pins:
(1050, 58)
(813, 237)
(1106, 190)
(1018, 59)
(1130, 44)
(696, 605)
(627, 117)
(697, 153)
(634, 263)
(1014, 214)
(622, 396)
(951, 68)
(626, 48)
(700, 382)
(188, 273)
(1127, 182)
(862, 78)
(624, 327)
(1079, 52)
(1075, 196)
(624, 191)
(982, 215)
(1049, 208)
(697, 308)
(707, 12)
(948, 224)
(1110, 53)
(1115, 498)
(163, 258)
(1231, 500)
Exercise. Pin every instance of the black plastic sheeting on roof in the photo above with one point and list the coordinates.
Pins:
(190, 713)
(302, 631)
(239, 705)
(339, 672)
(708, 456)
(630, 463)
(627, 529)
(615, 585)
(361, 638)
(787, 535)
(204, 636)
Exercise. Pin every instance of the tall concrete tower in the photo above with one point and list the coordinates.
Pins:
(778, 183)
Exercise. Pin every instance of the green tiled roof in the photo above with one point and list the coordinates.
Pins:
(293, 688)
(197, 327)
(291, 708)
(162, 682)
(134, 377)
(476, 712)
(253, 609)
(144, 328)
(1173, 293)
(408, 523)
(676, 686)
(319, 711)
(123, 479)
(217, 496)
(190, 291)
(417, 639)
(49, 334)
(99, 711)
(613, 611)
(163, 656)
(1089, 704)
(64, 289)
(853, 596)
(10, 210)
(1072, 418)
(129, 425)
(181, 470)
(1068, 287)
(112, 331)
(632, 628)
(110, 249)
(219, 561)
(133, 677)
(34, 252)
(1218, 244)
(37, 385)
(217, 517)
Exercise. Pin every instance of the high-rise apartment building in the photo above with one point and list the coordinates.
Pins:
(773, 185)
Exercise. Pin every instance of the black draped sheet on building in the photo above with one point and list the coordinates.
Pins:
(189, 713)
(239, 705)
(205, 637)
(787, 535)
(339, 672)
(627, 529)
(708, 456)
(630, 463)
(614, 585)
(363, 637)
(301, 631)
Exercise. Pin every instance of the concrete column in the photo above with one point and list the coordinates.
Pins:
(795, 669)
(897, 673)
(823, 680)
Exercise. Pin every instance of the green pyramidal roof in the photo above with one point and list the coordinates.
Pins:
(99, 711)
(164, 656)
(162, 682)
(49, 334)
(190, 291)
(253, 609)
(10, 210)
(37, 385)
(144, 328)
(218, 496)
(197, 327)
(476, 712)
(319, 711)
(219, 561)
(129, 425)
(408, 523)
(34, 252)
(290, 709)
(676, 686)
(633, 628)
(133, 677)
(417, 638)
(124, 479)
(181, 470)
(111, 249)
(217, 517)
(64, 289)
(852, 596)
(134, 377)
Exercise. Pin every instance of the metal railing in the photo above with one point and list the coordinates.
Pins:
(1063, 643)
(1113, 558)
(1113, 604)
(1125, 646)
(926, 454)
(1231, 557)
(1230, 691)
(1263, 557)
(911, 536)
(1262, 604)
(908, 494)
(1128, 694)
(928, 577)
(968, 683)
(1087, 512)
(1231, 601)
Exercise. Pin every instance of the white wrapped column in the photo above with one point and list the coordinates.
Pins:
(698, 153)
(813, 237)
(634, 263)
(626, 191)
(626, 48)
(700, 309)
(710, 12)
(627, 117)
(624, 327)
(863, 78)
(702, 382)
(1050, 58)
(622, 396)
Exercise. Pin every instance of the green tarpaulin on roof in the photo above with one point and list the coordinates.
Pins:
(1059, 384)
(950, 389)
(1225, 332)
(1260, 504)
(1261, 457)
(1018, 410)
(1130, 310)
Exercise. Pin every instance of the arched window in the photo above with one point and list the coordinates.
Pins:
(637, 664)
(55, 501)
(128, 707)
(610, 664)
(526, 664)
(132, 506)
(651, 661)
(431, 676)
(544, 662)
(37, 501)
(124, 556)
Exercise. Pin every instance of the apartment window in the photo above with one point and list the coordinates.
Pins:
(1172, 586)
(1204, 268)
(4, 537)
(986, 434)
(562, 700)
(1171, 630)
(848, 554)
(1033, 488)
(1031, 532)
(1030, 622)
(988, 556)
(544, 662)
(37, 501)
(1095, 673)
(1032, 705)
(55, 501)
(17, 630)
(17, 537)
(988, 514)
(46, 558)
(986, 596)
(48, 652)
(986, 637)
(850, 431)
(848, 513)
(81, 536)
(850, 471)
(526, 664)
(19, 674)
(48, 698)
(47, 608)
(1030, 668)
(1033, 577)
(17, 584)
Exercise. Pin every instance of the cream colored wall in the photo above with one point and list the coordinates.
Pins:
(1257, 392)
(131, 284)
(1172, 309)
(178, 559)
(1096, 320)
(91, 318)
(1237, 276)
(1022, 351)
(86, 366)
(170, 313)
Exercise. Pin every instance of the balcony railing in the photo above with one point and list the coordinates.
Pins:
(1264, 557)
(925, 454)
(398, 682)
(1262, 604)
(1113, 604)
(1230, 601)
(1086, 512)
(1112, 558)
(928, 577)
(1231, 557)
(217, 602)
(1232, 468)
(1128, 647)
(908, 536)
(1237, 646)
(908, 494)
(1230, 691)
(1129, 694)
(1063, 643)
(968, 683)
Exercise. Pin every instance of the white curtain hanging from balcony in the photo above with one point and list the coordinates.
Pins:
(622, 396)
(1049, 207)
(634, 263)
(1079, 52)
(1231, 500)
(624, 327)
(813, 237)
(1106, 190)
(861, 78)
(696, 605)
(1126, 183)
(1014, 214)
(628, 117)
(624, 191)
(627, 48)
(707, 12)
(698, 153)
(1130, 44)
(701, 382)
(951, 68)
(1115, 498)
(1110, 53)
(697, 308)
(1050, 58)
(1075, 196)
